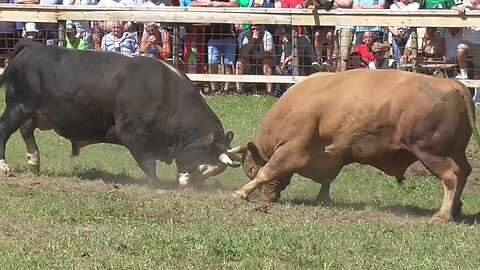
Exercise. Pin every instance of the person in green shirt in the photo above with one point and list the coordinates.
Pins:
(73, 42)
(440, 4)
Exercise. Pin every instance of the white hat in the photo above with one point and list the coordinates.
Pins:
(31, 27)
(70, 27)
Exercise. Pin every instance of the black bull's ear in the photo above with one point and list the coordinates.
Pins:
(229, 136)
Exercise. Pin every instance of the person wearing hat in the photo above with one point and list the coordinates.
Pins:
(73, 42)
(30, 31)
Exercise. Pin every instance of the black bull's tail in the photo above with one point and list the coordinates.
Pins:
(470, 110)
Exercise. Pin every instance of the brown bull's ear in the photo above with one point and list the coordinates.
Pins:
(253, 150)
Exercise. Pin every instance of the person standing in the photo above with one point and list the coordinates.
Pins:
(222, 42)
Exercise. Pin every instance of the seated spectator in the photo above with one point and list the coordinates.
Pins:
(365, 50)
(303, 41)
(155, 42)
(378, 32)
(256, 50)
(381, 52)
(306, 54)
(73, 42)
(433, 45)
(120, 41)
(320, 33)
(399, 36)
(355, 61)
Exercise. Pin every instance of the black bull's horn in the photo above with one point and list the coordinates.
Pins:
(224, 158)
(236, 154)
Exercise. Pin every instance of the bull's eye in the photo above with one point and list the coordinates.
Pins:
(203, 168)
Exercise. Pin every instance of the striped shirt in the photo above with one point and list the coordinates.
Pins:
(127, 45)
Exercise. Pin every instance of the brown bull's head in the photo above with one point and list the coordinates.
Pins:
(250, 157)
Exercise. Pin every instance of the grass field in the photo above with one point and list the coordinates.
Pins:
(94, 212)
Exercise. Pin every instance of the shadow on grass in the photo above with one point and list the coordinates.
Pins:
(121, 178)
(398, 210)
(469, 219)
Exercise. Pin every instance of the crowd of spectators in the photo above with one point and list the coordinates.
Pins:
(264, 49)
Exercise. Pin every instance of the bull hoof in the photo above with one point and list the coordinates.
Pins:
(4, 169)
(271, 197)
(33, 162)
(441, 217)
(323, 201)
(34, 168)
(239, 195)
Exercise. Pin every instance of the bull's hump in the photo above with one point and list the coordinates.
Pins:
(173, 70)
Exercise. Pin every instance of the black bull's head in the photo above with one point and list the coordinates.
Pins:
(221, 158)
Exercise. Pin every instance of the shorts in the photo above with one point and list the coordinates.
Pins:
(222, 46)
(472, 50)
(343, 43)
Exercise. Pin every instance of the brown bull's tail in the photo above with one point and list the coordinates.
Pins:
(470, 110)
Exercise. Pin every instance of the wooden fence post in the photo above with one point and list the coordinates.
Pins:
(295, 60)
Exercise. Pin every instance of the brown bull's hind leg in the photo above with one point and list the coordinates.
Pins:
(453, 176)
(465, 170)
(323, 196)
(285, 161)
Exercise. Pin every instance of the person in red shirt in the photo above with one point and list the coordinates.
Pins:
(365, 50)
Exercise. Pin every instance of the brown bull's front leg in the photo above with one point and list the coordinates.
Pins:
(271, 192)
(284, 162)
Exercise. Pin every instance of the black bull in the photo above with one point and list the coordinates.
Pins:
(89, 97)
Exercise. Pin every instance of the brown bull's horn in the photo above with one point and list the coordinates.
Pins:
(235, 150)
(226, 160)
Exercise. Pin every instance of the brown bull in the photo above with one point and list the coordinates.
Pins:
(387, 119)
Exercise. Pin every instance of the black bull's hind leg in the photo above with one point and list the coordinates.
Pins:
(11, 120)
(33, 155)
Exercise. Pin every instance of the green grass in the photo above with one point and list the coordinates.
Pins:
(92, 212)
